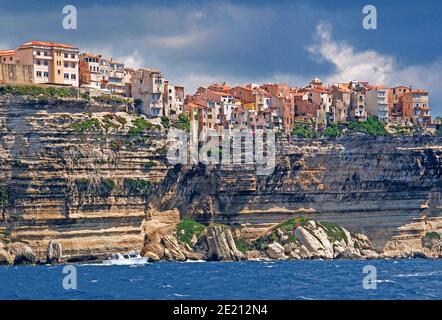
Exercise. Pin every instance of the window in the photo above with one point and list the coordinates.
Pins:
(46, 62)
(46, 74)
(39, 74)
(65, 64)
(73, 76)
(38, 62)
(59, 72)
(66, 55)
(66, 75)
(46, 53)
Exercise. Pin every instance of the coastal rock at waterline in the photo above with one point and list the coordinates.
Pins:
(153, 257)
(5, 257)
(304, 253)
(22, 253)
(253, 255)
(172, 249)
(347, 254)
(153, 244)
(55, 252)
(220, 244)
(276, 251)
(312, 244)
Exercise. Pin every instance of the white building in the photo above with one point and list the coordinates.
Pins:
(376, 103)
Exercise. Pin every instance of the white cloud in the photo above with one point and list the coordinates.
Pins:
(350, 65)
(375, 67)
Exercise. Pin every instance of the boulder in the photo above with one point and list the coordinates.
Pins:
(347, 254)
(152, 243)
(55, 252)
(304, 253)
(288, 247)
(220, 244)
(253, 255)
(312, 244)
(173, 248)
(23, 254)
(369, 254)
(190, 255)
(293, 255)
(152, 257)
(5, 257)
(276, 251)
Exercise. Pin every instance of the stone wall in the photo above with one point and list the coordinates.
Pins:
(16, 73)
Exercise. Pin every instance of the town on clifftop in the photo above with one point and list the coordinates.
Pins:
(218, 106)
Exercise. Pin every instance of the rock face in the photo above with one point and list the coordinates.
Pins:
(96, 189)
(369, 185)
(220, 244)
(421, 238)
(276, 251)
(67, 179)
(22, 253)
(55, 252)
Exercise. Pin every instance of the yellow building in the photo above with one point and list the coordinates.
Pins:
(54, 63)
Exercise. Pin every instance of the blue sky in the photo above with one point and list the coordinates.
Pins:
(198, 42)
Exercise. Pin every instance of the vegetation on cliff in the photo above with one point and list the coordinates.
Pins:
(40, 91)
(188, 229)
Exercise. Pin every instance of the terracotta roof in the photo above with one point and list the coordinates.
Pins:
(419, 91)
(48, 44)
(7, 52)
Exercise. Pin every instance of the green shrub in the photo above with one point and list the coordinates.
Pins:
(45, 92)
(304, 130)
(149, 165)
(244, 245)
(183, 122)
(332, 131)
(187, 228)
(106, 187)
(82, 184)
(372, 126)
(165, 122)
(140, 125)
(334, 231)
(432, 235)
(137, 186)
(86, 125)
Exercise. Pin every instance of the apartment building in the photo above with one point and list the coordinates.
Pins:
(416, 106)
(173, 99)
(340, 103)
(376, 103)
(148, 87)
(54, 63)
(7, 56)
(90, 74)
(357, 101)
(395, 100)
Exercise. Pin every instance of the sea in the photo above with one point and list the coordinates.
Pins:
(274, 280)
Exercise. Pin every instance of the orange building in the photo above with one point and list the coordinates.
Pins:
(416, 106)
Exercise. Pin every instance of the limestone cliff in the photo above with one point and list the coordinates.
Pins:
(89, 179)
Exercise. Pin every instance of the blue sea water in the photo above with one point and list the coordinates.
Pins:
(308, 279)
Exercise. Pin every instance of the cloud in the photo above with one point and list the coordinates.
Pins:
(370, 65)
(350, 65)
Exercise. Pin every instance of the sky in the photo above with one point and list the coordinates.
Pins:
(196, 43)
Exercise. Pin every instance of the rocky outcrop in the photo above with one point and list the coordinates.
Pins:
(421, 238)
(218, 244)
(22, 253)
(55, 252)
